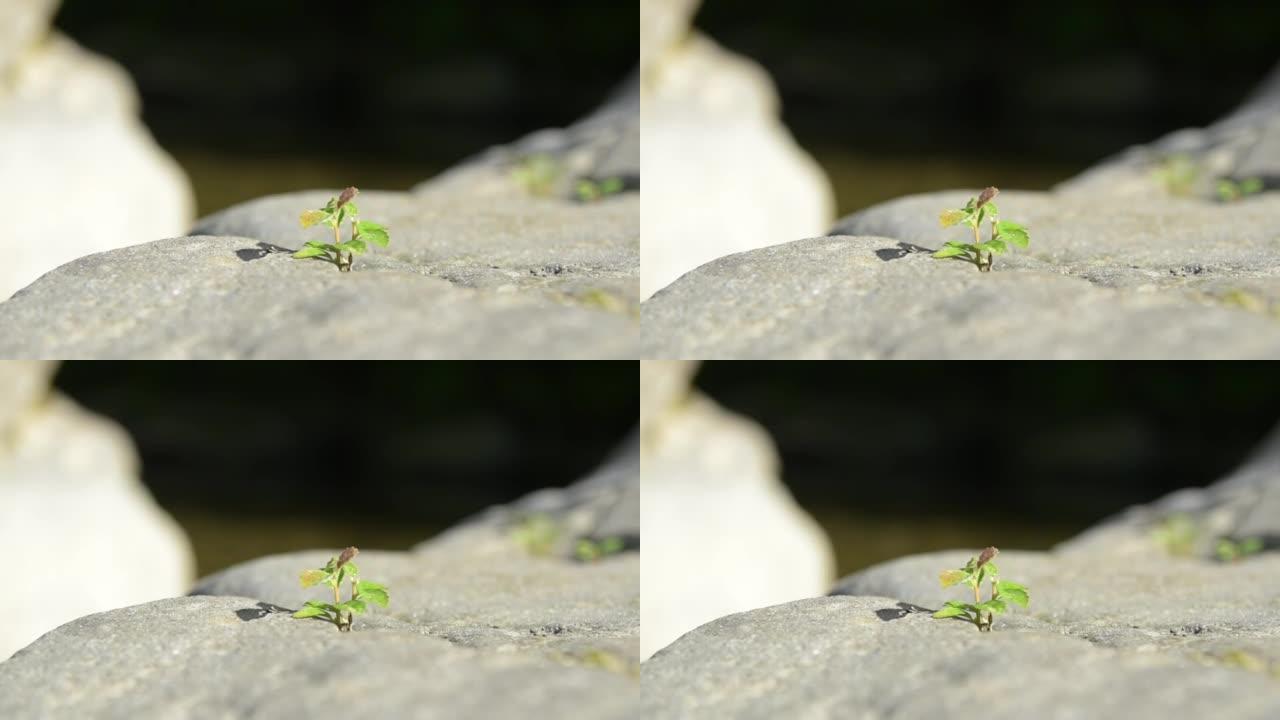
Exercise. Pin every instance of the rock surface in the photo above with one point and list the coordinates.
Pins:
(575, 613)
(224, 297)
(1244, 144)
(710, 481)
(79, 528)
(1102, 279)
(724, 173)
(240, 657)
(874, 657)
(603, 505)
(79, 165)
(1245, 504)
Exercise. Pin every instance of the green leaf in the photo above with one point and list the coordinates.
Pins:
(373, 592)
(996, 246)
(952, 609)
(351, 209)
(311, 217)
(356, 606)
(949, 251)
(373, 232)
(311, 577)
(356, 246)
(313, 608)
(995, 606)
(610, 186)
(992, 210)
(307, 252)
(1249, 186)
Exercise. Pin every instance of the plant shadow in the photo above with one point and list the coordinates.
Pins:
(262, 610)
(904, 609)
(264, 249)
(904, 249)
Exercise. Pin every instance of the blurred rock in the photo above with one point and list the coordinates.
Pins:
(663, 24)
(551, 163)
(81, 531)
(1244, 144)
(605, 504)
(236, 297)
(664, 384)
(77, 167)
(721, 532)
(24, 384)
(1191, 521)
(1103, 278)
(878, 656)
(22, 24)
(724, 173)
(240, 657)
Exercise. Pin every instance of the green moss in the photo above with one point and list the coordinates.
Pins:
(536, 533)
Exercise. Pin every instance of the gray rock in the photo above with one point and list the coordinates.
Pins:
(1102, 279)
(1245, 504)
(225, 657)
(229, 297)
(603, 145)
(877, 657)
(575, 612)
(1244, 144)
(605, 504)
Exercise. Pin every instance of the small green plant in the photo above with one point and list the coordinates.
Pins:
(1177, 173)
(1229, 550)
(333, 214)
(1177, 533)
(588, 550)
(973, 214)
(981, 612)
(537, 174)
(536, 533)
(1231, 190)
(333, 574)
(591, 190)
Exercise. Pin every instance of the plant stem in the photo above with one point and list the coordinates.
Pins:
(977, 243)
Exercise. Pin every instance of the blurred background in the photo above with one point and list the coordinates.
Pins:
(884, 456)
(255, 98)
(897, 98)
(272, 457)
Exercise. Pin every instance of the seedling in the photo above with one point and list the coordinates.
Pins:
(333, 214)
(980, 253)
(1231, 190)
(1177, 533)
(341, 613)
(591, 190)
(981, 612)
(1178, 173)
(537, 534)
(589, 550)
(1229, 550)
(537, 174)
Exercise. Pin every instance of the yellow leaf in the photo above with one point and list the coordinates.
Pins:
(951, 217)
(311, 217)
(950, 577)
(311, 577)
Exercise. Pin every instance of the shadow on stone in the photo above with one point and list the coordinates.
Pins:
(262, 610)
(904, 249)
(904, 609)
(264, 249)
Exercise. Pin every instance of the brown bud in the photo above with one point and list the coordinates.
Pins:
(349, 194)
(987, 196)
(346, 556)
(989, 553)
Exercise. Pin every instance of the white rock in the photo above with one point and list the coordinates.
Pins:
(721, 532)
(23, 383)
(722, 173)
(80, 533)
(663, 23)
(22, 23)
(78, 170)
